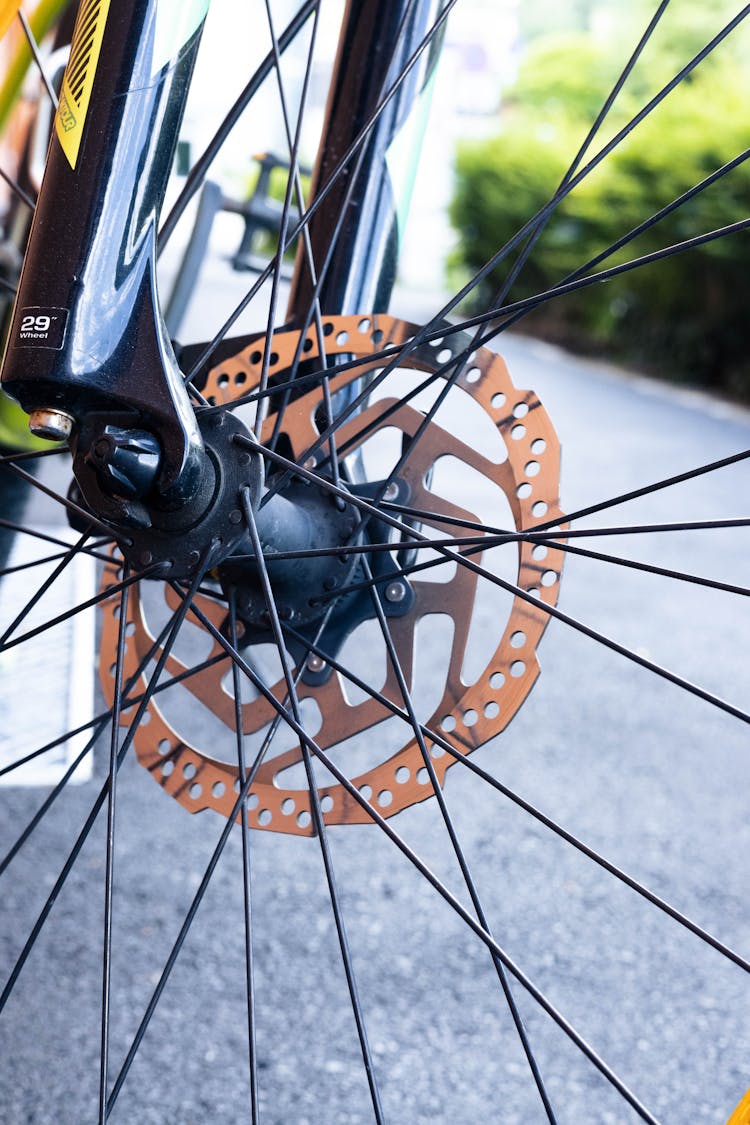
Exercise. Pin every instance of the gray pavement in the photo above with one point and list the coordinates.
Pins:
(654, 778)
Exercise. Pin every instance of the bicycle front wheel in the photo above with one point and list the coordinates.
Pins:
(397, 904)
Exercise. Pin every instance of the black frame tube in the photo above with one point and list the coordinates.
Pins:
(354, 234)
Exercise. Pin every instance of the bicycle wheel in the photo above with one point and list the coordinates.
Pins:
(550, 929)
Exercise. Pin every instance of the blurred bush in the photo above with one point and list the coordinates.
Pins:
(686, 317)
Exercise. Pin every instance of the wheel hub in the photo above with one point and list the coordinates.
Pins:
(300, 516)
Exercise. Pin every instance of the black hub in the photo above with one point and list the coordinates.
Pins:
(300, 517)
(304, 517)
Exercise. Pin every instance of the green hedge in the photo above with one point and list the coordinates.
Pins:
(685, 318)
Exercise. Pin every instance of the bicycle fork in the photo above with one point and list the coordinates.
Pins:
(87, 346)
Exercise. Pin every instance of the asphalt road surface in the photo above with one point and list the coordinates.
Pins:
(651, 776)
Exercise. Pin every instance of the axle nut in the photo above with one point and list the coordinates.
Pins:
(53, 425)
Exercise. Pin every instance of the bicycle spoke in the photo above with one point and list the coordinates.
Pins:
(480, 340)
(600, 638)
(486, 542)
(543, 532)
(31, 604)
(378, 548)
(295, 181)
(246, 882)
(424, 334)
(597, 556)
(18, 190)
(650, 489)
(579, 626)
(522, 307)
(190, 915)
(544, 212)
(652, 221)
(482, 544)
(649, 568)
(110, 852)
(237, 810)
(45, 561)
(34, 454)
(395, 354)
(536, 234)
(293, 145)
(317, 813)
(416, 727)
(561, 290)
(539, 533)
(97, 599)
(241, 803)
(100, 721)
(98, 727)
(87, 517)
(44, 537)
(200, 169)
(640, 529)
(333, 242)
(34, 47)
(294, 185)
(604, 505)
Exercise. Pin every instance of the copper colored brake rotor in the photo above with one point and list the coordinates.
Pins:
(524, 467)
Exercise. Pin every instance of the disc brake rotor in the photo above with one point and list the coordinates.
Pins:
(516, 464)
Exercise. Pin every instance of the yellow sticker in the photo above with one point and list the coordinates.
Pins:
(78, 82)
(741, 1115)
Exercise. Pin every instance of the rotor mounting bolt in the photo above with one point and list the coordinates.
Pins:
(391, 491)
(395, 592)
(53, 425)
(235, 516)
(315, 663)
